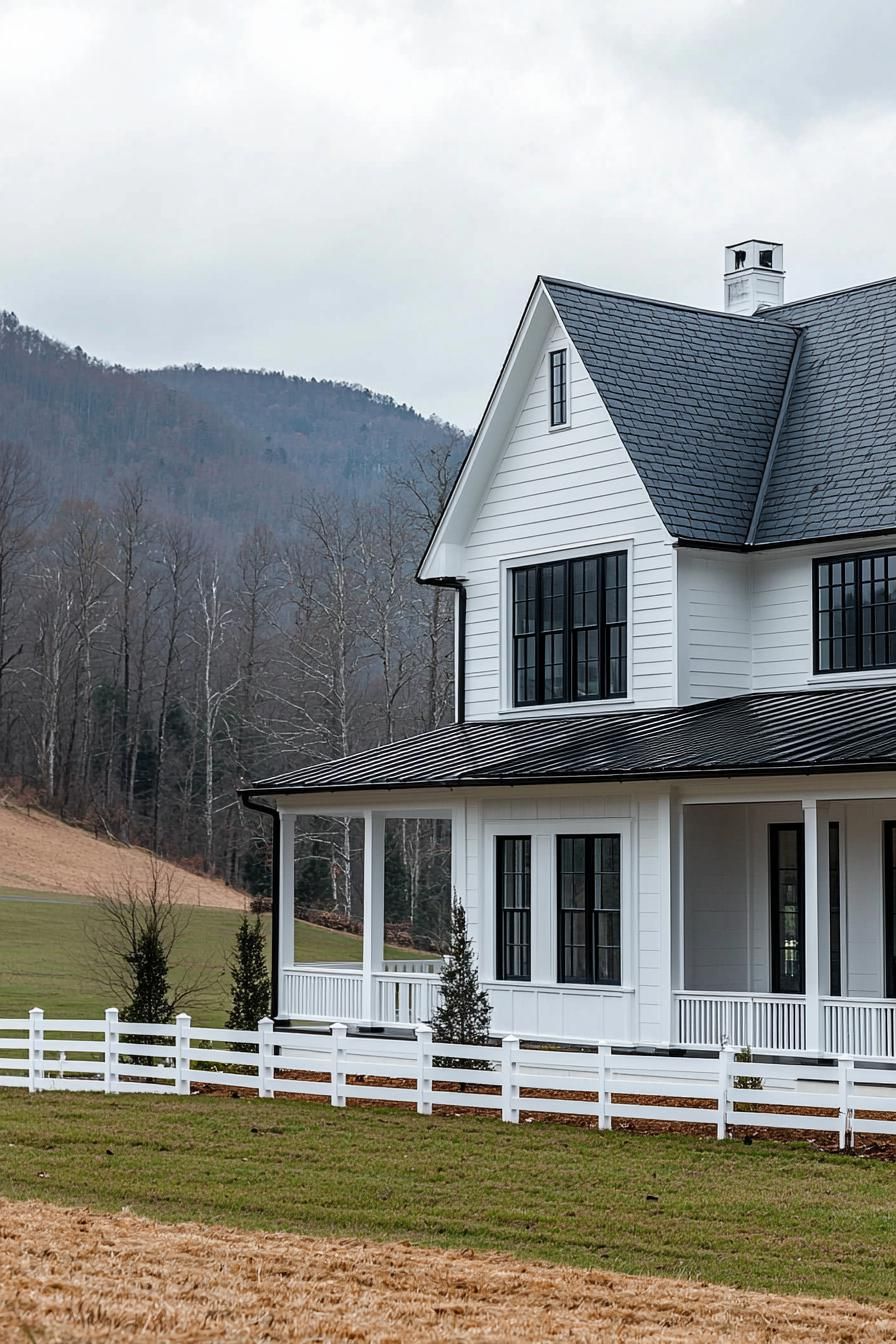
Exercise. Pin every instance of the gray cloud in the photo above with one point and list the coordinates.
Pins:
(366, 190)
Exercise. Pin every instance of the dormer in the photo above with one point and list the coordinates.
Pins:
(754, 276)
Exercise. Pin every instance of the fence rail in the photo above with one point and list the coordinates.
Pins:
(608, 1082)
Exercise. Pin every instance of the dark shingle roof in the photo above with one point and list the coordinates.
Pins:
(834, 471)
(796, 732)
(694, 395)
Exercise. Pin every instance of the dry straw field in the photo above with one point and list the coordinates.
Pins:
(69, 1276)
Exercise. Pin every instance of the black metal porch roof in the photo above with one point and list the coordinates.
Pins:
(795, 732)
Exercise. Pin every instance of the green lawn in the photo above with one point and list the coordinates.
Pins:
(772, 1216)
(46, 957)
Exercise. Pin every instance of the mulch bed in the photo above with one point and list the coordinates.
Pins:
(864, 1145)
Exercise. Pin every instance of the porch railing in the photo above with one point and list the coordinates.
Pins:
(405, 992)
(859, 1027)
(758, 1021)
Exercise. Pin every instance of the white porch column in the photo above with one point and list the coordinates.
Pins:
(374, 904)
(815, 825)
(286, 916)
(667, 861)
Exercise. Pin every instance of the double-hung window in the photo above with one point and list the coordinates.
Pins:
(514, 913)
(855, 612)
(570, 630)
(558, 366)
(589, 909)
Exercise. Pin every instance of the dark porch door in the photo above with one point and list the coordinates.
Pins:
(787, 889)
(890, 909)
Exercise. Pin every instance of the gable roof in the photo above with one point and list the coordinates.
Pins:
(746, 431)
(694, 394)
(791, 732)
(834, 472)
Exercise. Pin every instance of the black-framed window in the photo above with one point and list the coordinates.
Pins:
(890, 909)
(855, 612)
(513, 858)
(589, 899)
(557, 366)
(834, 905)
(787, 889)
(570, 630)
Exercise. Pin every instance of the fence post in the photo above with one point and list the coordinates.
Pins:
(845, 1079)
(265, 1057)
(110, 1051)
(726, 1055)
(338, 1031)
(182, 1054)
(35, 1049)
(510, 1090)
(604, 1118)
(424, 1068)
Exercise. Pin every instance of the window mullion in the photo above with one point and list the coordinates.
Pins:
(858, 615)
(539, 638)
(590, 959)
(603, 638)
(568, 637)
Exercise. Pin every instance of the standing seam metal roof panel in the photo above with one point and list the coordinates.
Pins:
(790, 732)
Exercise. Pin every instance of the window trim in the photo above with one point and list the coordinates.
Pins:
(501, 973)
(885, 671)
(564, 350)
(569, 629)
(590, 838)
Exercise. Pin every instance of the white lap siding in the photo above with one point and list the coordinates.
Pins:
(543, 1007)
(572, 488)
(714, 625)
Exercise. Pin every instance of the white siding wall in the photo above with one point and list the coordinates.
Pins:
(782, 620)
(717, 904)
(714, 625)
(570, 488)
(640, 1008)
(864, 944)
(726, 908)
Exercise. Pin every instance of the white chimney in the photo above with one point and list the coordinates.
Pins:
(754, 276)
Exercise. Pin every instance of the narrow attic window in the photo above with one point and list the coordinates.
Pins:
(558, 365)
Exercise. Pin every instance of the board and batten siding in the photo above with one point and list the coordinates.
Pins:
(561, 490)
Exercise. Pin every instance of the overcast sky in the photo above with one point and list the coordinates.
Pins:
(365, 191)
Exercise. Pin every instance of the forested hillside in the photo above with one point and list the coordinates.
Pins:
(206, 577)
(226, 446)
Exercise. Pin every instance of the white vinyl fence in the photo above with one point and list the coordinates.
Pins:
(857, 1096)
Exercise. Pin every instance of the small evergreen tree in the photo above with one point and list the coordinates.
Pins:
(150, 992)
(251, 984)
(464, 1014)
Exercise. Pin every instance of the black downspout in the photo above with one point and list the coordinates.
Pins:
(272, 812)
(461, 645)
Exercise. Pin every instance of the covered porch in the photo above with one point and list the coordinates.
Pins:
(380, 991)
(784, 931)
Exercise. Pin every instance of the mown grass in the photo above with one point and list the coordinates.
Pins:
(772, 1216)
(47, 958)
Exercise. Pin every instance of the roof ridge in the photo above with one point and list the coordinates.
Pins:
(754, 318)
(829, 294)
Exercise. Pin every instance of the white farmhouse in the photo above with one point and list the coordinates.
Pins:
(672, 778)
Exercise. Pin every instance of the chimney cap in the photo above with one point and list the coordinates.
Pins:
(754, 254)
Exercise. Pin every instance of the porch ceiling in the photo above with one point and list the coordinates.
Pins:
(797, 732)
